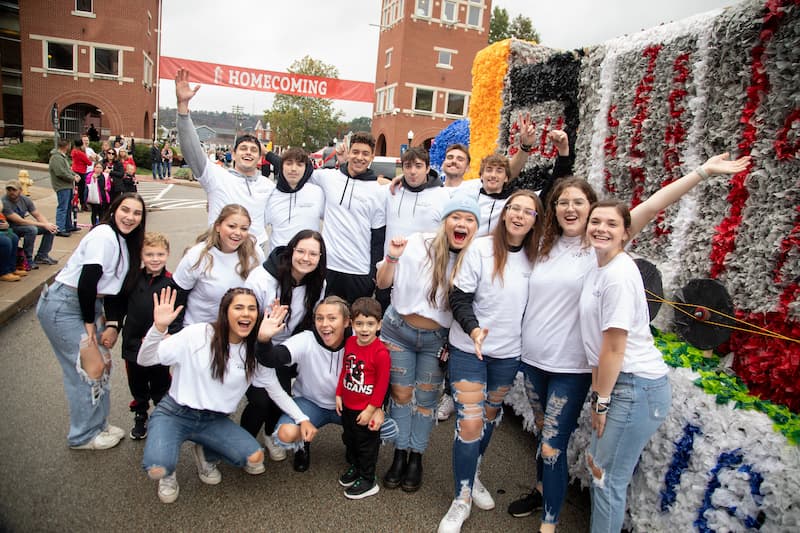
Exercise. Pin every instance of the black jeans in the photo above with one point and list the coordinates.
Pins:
(147, 383)
(362, 444)
(348, 286)
(260, 409)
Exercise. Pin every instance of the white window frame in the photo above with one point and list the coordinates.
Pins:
(147, 75)
(391, 13)
(92, 65)
(384, 99)
(444, 17)
(414, 101)
(480, 7)
(417, 9)
(45, 54)
(388, 54)
(450, 53)
(447, 103)
(82, 13)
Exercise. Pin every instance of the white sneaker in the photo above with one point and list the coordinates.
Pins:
(455, 517)
(114, 430)
(101, 441)
(208, 472)
(254, 469)
(446, 407)
(275, 450)
(480, 496)
(168, 488)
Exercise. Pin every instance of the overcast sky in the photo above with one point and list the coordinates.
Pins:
(270, 35)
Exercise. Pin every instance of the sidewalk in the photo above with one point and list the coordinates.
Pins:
(19, 295)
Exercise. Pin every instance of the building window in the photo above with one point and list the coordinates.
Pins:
(392, 12)
(147, 77)
(456, 103)
(449, 11)
(388, 57)
(390, 99)
(384, 100)
(61, 56)
(423, 100)
(475, 14)
(424, 8)
(84, 6)
(106, 62)
(444, 58)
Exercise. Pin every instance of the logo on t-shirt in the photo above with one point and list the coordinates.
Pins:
(354, 375)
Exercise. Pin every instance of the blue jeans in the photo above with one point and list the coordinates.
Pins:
(28, 235)
(166, 169)
(63, 218)
(496, 377)
(171, 424)
(557, 400)
(8, 252)
(157, 170)
(89, 401)
(638, 407)
(415, 363)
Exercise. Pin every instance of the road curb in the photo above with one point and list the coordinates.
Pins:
(27, 300)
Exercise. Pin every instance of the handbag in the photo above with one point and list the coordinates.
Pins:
(93, 193)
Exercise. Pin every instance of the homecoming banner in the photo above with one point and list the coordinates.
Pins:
(269, 81)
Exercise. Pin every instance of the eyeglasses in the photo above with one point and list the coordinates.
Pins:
(564, 204)
(309, 253)
(519, 210)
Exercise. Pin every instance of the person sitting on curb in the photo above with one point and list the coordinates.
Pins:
(16, 209)
(8, 253)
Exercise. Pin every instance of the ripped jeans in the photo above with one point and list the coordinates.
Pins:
(494, 378)
(59, 313)
(557, 400)
(638, 407)
(415, 365)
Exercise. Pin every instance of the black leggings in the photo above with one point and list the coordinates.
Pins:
(260, 409)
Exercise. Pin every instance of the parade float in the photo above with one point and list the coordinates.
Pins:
(642, 110)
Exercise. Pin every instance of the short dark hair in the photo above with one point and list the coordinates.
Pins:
(458, 146)
(247, 138)
(414, 153)
(295, 154)
(368, 307)
(63, 143)
(363, 137)
(78, 142)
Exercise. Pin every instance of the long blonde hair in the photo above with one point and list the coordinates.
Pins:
(438, 258)
(248, 260)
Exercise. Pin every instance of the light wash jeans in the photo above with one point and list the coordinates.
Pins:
(493, 374)
(89, 400)
(557, 400)
(638, 407)
(415, 364)
(63, 209)
(171, 424)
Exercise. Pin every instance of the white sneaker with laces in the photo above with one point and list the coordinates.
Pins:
(455, 517)
(101, 441)
(481, 496)
(446, 407)
(168, 488)
(276, 451)
(114, 430)
(208, 472)
(255, 469)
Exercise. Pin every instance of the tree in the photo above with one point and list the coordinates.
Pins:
(521, 27)
(301, 119)
(360, 124)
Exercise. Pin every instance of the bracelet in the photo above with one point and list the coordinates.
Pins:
(601, 408)
(701, 172)
(526, 147)
(392, 259)
(115, 326)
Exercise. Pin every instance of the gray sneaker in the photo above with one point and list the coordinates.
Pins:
(45, 260)
(168, 488)
(208, 472)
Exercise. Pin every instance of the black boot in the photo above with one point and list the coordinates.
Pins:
(412, 478)
(396, 472)
(139, 430)
(302, 458)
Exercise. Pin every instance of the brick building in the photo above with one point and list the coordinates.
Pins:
(423, 75)
(95, 60)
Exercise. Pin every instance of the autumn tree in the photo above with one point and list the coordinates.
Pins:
(301, 119)
(520, 27)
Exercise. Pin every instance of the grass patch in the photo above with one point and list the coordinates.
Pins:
(21, 152)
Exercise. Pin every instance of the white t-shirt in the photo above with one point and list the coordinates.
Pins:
(189, 354)
(498, 306)
(551, 332)
(613, 297)
(289, 213)
(207, 287)
(91, 154)
(353, 208)
(225, 187)
(317, 369)
(101, 246)
(413, 279)
(410, 212)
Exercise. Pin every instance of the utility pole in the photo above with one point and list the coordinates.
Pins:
(237, 112)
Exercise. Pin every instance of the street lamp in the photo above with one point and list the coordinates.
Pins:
(410, 137)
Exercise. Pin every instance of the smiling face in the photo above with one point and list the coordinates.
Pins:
(233, 230)
(305, 258)
(519, 216)
(359, 158)
(154, 258)
(293, 171)
(366, 329)
(415, 172)
(493, 178)
(246, 157)
(128, 215)
(330, 322)
(455, 164)
(572, 210)
(606, 232)
(460, 227)
(242, 314)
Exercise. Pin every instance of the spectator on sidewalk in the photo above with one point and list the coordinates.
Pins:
(16, 209)
(80, 162)
(155, 162)
(166, 161)
(63, 179)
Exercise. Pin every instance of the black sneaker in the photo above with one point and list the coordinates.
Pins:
(139, 430)
(526, 505)
(349, 477)
(302, 458)
(45, 260)
(361, 489)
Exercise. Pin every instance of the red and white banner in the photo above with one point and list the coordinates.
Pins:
(269, 81)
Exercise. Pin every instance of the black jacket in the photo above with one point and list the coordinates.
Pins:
(139, 315)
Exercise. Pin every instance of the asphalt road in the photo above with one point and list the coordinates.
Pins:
(45, 486)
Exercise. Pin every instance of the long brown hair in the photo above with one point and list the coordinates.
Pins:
(248, 260)
(530, 243)
(552, 230)
(220, 344)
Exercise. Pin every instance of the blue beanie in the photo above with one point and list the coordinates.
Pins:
(462, 202)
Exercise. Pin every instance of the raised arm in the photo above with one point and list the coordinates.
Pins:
(642, 214)
(164, 312)
(190, 143)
